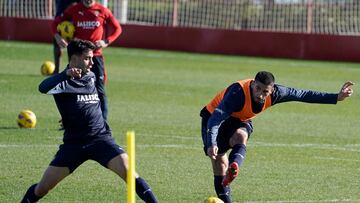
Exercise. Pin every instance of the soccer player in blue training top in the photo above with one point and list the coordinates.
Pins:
(226, 121)
(87, 135)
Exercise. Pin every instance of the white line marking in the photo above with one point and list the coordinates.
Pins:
(185, 146)
(347, 147)
(305, 145)
(335, 159)
(55, 146)
(352, 145)
(171, 146)
(27, 145)
(195, 137)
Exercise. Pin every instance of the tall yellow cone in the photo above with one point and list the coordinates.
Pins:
(130, 136)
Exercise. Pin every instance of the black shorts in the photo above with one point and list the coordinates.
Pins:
(98, 69)
(226, 130)
(73, 155)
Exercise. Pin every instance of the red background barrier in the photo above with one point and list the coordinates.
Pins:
(249, 43)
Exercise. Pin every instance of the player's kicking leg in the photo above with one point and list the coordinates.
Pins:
(237, 155)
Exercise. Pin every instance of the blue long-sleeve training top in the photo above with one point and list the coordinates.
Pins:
(78, 103)
(234, 100)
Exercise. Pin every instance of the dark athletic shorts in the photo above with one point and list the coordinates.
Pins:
(73, 155)
(226, 130)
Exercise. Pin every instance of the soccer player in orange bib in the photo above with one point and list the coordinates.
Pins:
(226, 120)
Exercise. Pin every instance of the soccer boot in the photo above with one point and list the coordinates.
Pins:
(231, 174)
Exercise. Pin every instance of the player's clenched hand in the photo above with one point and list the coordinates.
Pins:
(346, 91)
(60, 41)
(101, 44)
(212, 152)
(74, 72)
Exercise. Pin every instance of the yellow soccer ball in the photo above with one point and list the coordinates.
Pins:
(26, 119)
(66, 29)
(47, 68)
(213, 200)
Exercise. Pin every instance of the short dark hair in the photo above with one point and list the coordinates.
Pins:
(78, 46)
(265, 78)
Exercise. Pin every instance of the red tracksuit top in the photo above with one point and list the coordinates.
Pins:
(90, 23)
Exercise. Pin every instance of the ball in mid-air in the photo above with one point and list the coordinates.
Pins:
(26, 119)
(47, 68)
(66, 29)
(213, 200)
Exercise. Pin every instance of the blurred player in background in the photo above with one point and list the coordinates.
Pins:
(60, 5)
(87, 134)
(226, 121)
(89, 19)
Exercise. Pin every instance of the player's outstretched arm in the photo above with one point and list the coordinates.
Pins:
(50, 82)
(346, 91)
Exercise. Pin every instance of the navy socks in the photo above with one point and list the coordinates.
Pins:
(30, 196)
(237, 154)
(222, 192)
(144, 192)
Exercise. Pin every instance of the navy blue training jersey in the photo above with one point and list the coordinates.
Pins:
(233, 101)
(78, 103)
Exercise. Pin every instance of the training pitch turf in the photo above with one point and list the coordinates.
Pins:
(297, 153)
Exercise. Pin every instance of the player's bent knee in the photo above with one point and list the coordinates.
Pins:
(240, 136)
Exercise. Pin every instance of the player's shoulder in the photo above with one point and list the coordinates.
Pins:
(235, 87)
(234, 90)
(98, 5)
(103, 9)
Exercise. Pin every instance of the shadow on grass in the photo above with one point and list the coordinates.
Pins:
(37, 129)
(22, 75)
(8, 128)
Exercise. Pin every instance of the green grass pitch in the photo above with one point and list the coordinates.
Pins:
(297, 153)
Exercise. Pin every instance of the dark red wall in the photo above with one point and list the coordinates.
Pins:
(250, 43)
